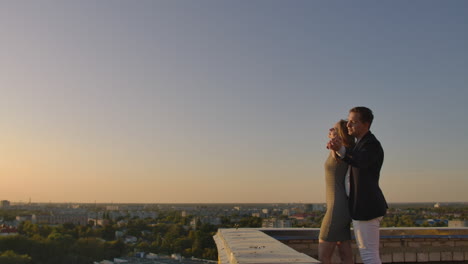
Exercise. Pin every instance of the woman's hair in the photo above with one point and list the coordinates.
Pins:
(342, 132)
(348, 140)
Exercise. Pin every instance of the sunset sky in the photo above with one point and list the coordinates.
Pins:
(227, 101)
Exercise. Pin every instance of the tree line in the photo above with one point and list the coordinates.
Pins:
(74, 244)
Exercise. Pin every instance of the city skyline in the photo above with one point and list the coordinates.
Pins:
(229, 102)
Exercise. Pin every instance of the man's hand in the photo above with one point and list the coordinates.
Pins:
(335, 144)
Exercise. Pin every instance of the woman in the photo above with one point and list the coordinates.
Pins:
(335, 229)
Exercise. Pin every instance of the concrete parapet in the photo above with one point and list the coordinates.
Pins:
(398, 257)
(251, 246)
(458, 256)
(386, 257)
(446, 256)
(410, 256)
(422, 257)
(397, 245)
(434, 256)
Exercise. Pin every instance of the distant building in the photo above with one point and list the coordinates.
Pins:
(104, 262)
(299, 216)
(276, 223)
(176, 257)
(22, 218)
(143, 214)
(112, 207)
(431, 221)
(99, 221)
(151, 256)
(4, 204)
(130, 240)
(77, 219)
(122, 223)
(137, 258)
(437, 205)
(119, 234)
(308, 208)
(8, 230)
(319, 207)
(41, 219)
(458, 223)
(204, 220)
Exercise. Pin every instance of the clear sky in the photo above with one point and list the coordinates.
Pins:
(227, 101)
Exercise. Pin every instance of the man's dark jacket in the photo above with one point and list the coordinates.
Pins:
(366, 200)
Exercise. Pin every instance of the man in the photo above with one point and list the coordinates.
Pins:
(367, 204)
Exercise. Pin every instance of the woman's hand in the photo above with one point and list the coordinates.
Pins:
(335, 144)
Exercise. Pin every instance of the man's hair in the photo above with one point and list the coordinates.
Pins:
(365, 114)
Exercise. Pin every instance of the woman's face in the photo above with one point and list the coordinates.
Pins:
(333, 132)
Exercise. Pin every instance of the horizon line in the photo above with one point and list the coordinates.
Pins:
(74, 202)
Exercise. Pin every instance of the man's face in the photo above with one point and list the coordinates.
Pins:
(355, 127)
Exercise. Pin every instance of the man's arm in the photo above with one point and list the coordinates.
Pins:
(341, 152)
(366, 156)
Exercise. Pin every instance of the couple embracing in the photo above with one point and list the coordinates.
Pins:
(352, 173)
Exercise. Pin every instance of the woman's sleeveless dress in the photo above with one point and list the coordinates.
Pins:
(337, 220)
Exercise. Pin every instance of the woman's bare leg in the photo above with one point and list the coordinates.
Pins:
(346, 253)
(326, 251)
